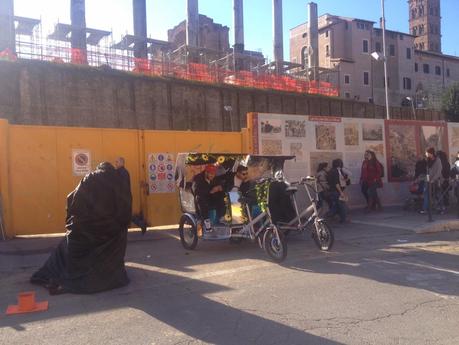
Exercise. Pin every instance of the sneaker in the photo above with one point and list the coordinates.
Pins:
(143, 227)
(207, 225)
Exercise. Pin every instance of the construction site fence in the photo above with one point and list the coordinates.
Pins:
(208, 73)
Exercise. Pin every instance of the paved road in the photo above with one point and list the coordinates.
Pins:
(378, 286)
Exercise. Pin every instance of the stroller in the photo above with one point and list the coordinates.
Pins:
(415, 201)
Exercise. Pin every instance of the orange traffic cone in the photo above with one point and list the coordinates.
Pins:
(27, 304)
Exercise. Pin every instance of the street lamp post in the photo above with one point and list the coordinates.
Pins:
(411, 100)
(385, 59)
(229, 109)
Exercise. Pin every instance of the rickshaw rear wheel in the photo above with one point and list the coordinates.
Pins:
(188, 232)
(323, 236)
(274, 247)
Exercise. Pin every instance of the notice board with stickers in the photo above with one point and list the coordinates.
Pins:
(161, 168)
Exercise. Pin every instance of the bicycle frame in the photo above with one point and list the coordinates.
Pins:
(297, 223)
(264, 218)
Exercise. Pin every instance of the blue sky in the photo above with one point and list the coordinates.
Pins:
(116, 16)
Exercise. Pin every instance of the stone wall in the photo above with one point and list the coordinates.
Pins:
(40, 93)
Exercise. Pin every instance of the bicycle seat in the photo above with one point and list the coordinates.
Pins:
(291, 190)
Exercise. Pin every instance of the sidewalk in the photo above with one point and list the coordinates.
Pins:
(396, 218)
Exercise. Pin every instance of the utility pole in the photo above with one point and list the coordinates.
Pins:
(385, 59)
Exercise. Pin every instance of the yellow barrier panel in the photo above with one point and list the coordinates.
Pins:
(41, 170)
(6, 228)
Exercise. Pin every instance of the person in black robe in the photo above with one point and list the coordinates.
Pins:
(91, 256)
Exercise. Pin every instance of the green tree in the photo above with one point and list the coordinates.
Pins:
(450, 103)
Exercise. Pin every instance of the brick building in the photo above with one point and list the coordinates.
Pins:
(416, 67)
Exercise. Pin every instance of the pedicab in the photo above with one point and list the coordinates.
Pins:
(244, 216)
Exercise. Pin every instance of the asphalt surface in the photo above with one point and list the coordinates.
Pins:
(378, 285)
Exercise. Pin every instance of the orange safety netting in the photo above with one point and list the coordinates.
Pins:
(190, 71)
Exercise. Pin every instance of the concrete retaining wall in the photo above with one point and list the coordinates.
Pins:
(41, 93)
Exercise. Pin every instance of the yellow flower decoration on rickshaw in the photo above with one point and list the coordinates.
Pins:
(221, 159)
(191, 158)
(227, 218)
(205, 157)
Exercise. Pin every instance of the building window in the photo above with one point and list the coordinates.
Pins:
(401, 37)
(363, 26)
(415, 31)
(408, 53)
(366, 78)
(421, 29)
(416, 67)
(327, 50)
(378, 47)
(426, 68)
(393, 35)
(421, 10)
(347, 95)
(447, 72)
(431, 11)
(407, 83)
(346, 25)
(365, 46)
(392, 50)
(347, 79)
(437, 70)
(370, 100)
(326, 33)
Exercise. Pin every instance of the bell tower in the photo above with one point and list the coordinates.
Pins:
(425, 23)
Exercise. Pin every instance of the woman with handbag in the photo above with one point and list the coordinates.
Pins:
(370, 180)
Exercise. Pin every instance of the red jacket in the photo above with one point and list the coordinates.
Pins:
(371, 173)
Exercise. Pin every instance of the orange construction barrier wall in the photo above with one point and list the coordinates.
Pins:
(37, 171)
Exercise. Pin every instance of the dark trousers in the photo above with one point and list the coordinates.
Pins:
(338, 207)
(370, 192)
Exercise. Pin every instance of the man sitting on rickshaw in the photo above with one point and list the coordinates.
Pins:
(237, 181)
(209, 196)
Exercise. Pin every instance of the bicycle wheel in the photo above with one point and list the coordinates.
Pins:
(188, 232)
(323, 235)
(274, 246)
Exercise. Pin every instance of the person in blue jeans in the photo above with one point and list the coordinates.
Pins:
(337, 183)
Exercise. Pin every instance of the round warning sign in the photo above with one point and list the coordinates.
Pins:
(81, 159)
(81, 162)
